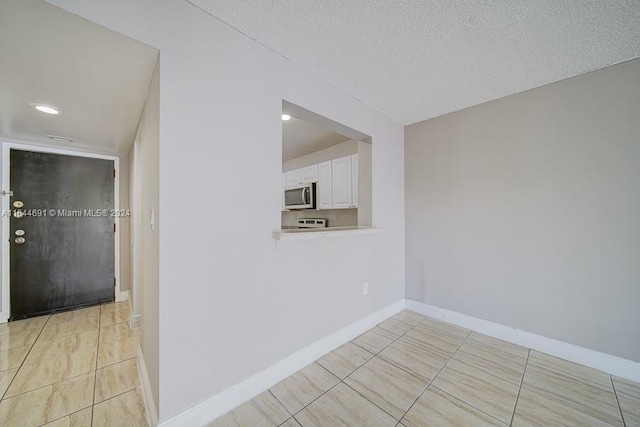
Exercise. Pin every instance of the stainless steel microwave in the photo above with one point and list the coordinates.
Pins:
(300, 197)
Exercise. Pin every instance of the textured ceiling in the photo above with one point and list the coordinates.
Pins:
(417, 59)
(98, 78)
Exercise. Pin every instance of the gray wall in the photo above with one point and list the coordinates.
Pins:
(526, 210)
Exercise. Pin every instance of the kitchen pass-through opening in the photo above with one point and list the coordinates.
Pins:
(326, 173)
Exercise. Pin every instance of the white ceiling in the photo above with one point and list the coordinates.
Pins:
(98, 78)
(414, 60)
(300, 138)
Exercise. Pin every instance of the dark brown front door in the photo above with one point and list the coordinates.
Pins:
(61, 232)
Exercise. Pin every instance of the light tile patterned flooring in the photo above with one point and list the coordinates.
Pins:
(412, 371)
(75, 369)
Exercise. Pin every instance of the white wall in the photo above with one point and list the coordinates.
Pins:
(526, 210)
(144, 181)
(135, 293)
(125, 226)
(231, 301)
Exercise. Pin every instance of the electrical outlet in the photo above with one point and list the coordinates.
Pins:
(365, 289)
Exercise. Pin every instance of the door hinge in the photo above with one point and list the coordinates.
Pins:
(114, 228)
(114, 282)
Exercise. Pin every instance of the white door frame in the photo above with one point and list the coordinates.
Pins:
(10, 145)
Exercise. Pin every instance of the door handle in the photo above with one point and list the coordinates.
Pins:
(19, 240)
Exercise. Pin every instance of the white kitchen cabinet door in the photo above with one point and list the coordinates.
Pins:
(341, 182)
(294, 178)
(309, 174)
(324, 187)
(354, 180)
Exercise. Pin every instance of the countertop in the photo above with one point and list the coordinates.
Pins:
(313, 233)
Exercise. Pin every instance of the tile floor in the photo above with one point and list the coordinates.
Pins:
(414, 371)
(75, 369)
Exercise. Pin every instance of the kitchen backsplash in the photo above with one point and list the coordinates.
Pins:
(335, 217)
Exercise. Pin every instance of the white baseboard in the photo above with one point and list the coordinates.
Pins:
(149, 402)
(212, 408)
(122, 296)
(594, 359)
(135, 321)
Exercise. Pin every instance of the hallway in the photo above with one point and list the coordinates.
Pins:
(76, 368)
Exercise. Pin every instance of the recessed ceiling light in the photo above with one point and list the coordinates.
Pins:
(60, 138)
(46, 109)
(286, 117)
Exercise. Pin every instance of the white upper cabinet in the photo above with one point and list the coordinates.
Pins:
(302, 176)
(337, 182)
(324, 188)
(294, 178)
(354, 180)
(341, 182)
(309, 174)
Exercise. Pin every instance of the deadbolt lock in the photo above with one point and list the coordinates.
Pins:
(19, 233)
(18, 204)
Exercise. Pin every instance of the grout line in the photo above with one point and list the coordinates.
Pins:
(401, 368)
(353, 341)
(370, 401)
(25, 358)
(304, 406)
(474, 367)
(615, 393)
(95, 377)
(513, 414)
(376, 355)
(70, 413)
(434, 377)
(272, 394)
(323, 393)
(117, 395)
(49, 385)
(38, 340)
(62, 354)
